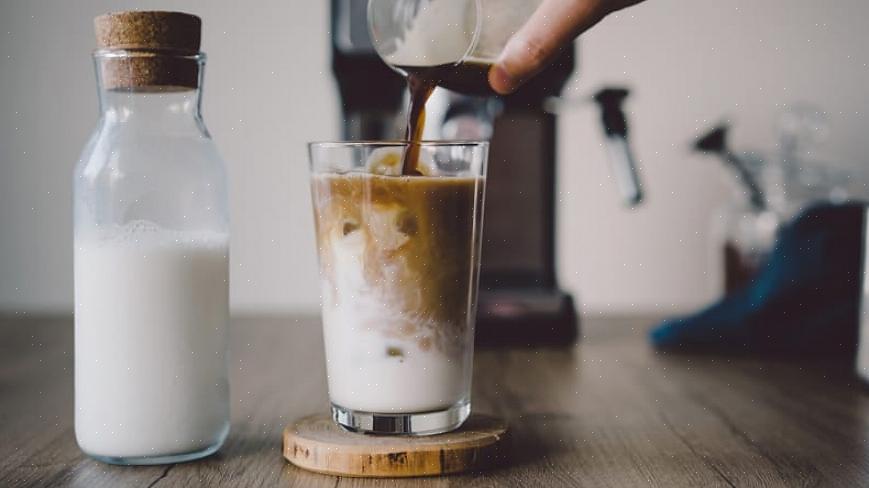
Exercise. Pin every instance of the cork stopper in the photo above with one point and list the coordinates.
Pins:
(158, 50)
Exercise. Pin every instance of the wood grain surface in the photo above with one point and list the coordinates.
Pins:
(610, 411)
(317, 444)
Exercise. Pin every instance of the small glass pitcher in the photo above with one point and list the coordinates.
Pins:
(425, 33)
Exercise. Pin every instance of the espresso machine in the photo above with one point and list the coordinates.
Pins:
(520, 301)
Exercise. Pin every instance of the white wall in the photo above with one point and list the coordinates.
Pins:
(269, 90)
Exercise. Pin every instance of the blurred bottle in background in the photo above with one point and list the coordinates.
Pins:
(772, 190)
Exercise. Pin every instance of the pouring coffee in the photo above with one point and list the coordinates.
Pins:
(452, 44)
(435, 43)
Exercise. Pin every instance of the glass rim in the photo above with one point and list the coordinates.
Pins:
(113, 53)
(398, 143)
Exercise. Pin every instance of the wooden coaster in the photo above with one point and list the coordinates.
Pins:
(316, 443)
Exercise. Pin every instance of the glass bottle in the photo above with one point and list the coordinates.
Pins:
(745, 237)
(861, 365)
(151, 237)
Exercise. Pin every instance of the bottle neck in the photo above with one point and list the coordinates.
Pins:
(165, 110)
(150, 91)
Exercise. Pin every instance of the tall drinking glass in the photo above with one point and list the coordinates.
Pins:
(399, 264)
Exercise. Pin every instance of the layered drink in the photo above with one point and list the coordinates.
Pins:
(399, 257)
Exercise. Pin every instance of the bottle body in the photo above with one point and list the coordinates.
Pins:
(151, 258)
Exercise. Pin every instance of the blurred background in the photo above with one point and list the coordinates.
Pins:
(269, 90)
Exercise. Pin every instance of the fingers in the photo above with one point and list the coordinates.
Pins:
(553, 25)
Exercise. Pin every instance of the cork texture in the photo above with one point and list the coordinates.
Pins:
(149, 50)
(173, 31)
(148, 72)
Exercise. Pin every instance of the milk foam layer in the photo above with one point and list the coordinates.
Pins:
(151, 317)
(397, 261)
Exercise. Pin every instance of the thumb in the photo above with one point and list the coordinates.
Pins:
(554, 24)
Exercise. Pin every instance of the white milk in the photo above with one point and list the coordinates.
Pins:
(151, 317)
(361, 375)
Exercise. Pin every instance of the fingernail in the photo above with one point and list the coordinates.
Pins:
(501, 81)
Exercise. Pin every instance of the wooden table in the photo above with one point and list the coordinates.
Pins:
(610, 411)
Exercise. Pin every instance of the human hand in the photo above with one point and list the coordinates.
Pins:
(553, 25)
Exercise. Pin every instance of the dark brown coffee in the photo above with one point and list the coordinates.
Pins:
(470, 78)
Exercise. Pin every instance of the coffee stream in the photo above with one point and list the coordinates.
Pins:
(420, 89)
(470, 78)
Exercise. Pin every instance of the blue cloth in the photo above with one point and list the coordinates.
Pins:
(806, 299)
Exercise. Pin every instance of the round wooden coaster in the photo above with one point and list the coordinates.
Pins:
(316, 443)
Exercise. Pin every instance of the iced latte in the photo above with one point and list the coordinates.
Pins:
(398, 263)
